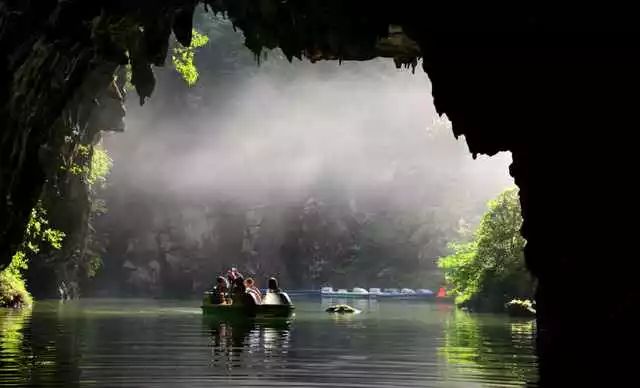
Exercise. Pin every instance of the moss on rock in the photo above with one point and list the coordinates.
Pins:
(520, 308)
(342, 309)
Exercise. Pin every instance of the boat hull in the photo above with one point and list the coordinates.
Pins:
(266, 311)
(395, 296)
(406, 296)
(347, 295)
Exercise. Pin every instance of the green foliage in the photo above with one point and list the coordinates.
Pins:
(462, 270)
(101, 164)
(489, 270)
(100, 167)
(13, 292)
(77, 166)
(92, 162)
(182, 58)
(37, 233)
(12, 288)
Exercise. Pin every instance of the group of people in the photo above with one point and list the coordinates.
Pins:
(235, 289)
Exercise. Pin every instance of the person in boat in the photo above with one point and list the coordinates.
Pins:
(238, 291)
(275, 295)
(220, 291)
(252, 290)
(232, 276)
(241, 296)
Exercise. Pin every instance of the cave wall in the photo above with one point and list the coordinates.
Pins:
(59, 58)
(554, 107)
(556, 87)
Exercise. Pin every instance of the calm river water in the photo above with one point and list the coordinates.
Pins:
(154, 343)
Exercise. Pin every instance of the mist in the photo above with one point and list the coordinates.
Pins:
(359, 142)
(356, 124)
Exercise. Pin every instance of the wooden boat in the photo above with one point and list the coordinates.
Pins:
(249, 311)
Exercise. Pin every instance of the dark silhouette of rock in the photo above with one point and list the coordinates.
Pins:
(557, 87)
(341, 309)
(520, 308)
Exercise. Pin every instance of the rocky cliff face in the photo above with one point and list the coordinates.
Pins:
(175, 249)
(60, 58)
(155, 252)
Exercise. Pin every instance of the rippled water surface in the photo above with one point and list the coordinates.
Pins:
(151, 343)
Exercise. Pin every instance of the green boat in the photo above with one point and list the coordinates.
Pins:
(249, 311)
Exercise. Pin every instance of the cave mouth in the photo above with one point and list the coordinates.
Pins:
(528, 64)
(359, 138)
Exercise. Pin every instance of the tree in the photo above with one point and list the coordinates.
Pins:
(488, 271)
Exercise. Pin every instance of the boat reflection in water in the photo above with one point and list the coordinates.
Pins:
(245, 343)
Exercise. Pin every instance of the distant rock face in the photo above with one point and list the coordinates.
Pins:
(166, 247)
(180, 249)
(167, 251)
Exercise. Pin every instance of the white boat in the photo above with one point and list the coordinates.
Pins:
(374, 292)
(406, 293)
(356, 292)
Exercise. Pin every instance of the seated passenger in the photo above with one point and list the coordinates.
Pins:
(238, 291)
(252, 290)
(232, 275)
(219, 291)
(275, 295)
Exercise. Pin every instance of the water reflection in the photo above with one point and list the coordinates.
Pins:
(240, 344)
(12, 323)
(477, 346)
(122, 343)
(42, 352)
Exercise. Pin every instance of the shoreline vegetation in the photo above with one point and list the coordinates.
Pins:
(13, 290)
(487, 272)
